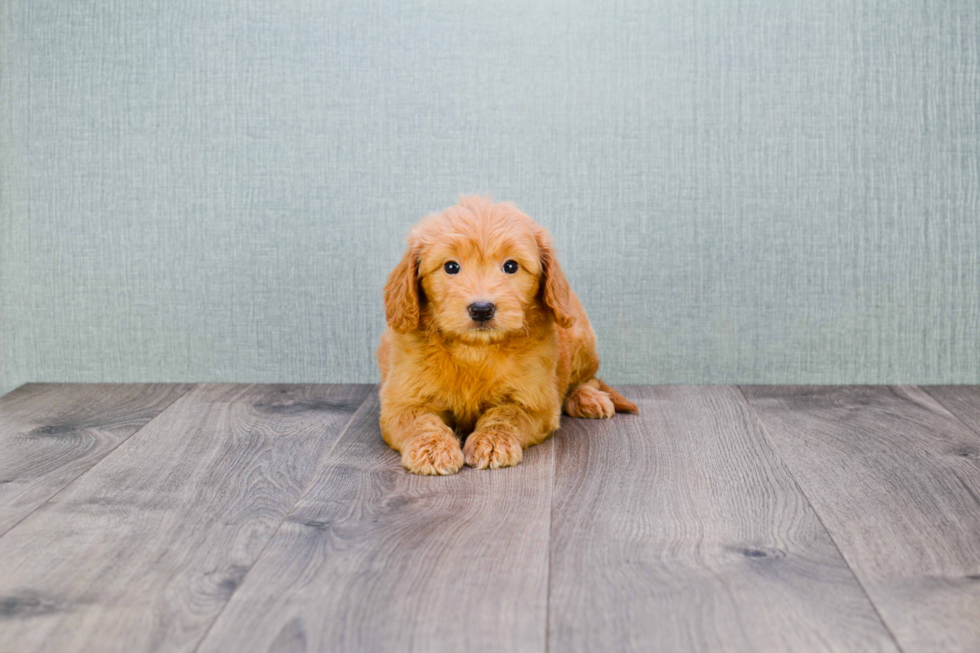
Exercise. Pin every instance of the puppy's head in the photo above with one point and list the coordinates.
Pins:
(481, 272)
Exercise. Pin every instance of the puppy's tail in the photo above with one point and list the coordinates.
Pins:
(621, 403)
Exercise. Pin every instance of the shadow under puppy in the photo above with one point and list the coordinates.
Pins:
(485, 342)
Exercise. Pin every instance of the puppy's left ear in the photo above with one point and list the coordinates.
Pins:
(554, 286)
(402, 293)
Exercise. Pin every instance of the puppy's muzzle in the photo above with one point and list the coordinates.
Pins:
(481, 311)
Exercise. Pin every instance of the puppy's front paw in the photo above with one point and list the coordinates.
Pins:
(493, 449)
(433, 454)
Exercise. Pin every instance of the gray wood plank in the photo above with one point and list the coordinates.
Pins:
(895, 478)
(50, 434)
(376, 559)
(143, 551)
(679, 529)
(964, 402)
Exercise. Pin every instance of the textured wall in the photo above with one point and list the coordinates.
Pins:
(741, 190)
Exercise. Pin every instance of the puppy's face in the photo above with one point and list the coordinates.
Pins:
(481, 286)
(481, 270)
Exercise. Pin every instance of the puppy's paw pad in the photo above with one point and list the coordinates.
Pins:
(432, 455)
(586, 401)
(493, 449)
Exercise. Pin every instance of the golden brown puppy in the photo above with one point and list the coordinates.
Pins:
(485, 339)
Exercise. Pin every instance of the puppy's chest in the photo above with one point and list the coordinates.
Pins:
(468, 386)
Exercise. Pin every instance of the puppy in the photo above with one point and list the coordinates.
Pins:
(485, 342)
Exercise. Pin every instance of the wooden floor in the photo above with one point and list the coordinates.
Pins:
(273, 518)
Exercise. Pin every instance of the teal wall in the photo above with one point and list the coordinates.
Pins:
(758, 191)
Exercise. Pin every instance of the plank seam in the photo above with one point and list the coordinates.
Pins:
(99, 461)
(551, 524)
(272, 536)
(816, 513)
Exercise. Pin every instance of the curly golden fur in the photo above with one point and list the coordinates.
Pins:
(498, 384)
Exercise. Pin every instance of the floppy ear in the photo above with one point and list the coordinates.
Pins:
(402, 294)
(554, 287)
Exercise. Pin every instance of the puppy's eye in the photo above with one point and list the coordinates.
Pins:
(510, 267)
(451, 267)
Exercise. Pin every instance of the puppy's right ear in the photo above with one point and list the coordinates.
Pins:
(402, 294)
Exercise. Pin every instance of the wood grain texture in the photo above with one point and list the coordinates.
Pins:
(142, 552)
(895, 478)
(964, 402)
(680, 530)
(51, 434)
(376, 559)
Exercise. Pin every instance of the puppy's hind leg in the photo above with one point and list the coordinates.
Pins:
(587, 400)
(594, 399)
(621, 403)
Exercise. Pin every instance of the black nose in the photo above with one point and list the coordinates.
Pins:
(481, 311)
